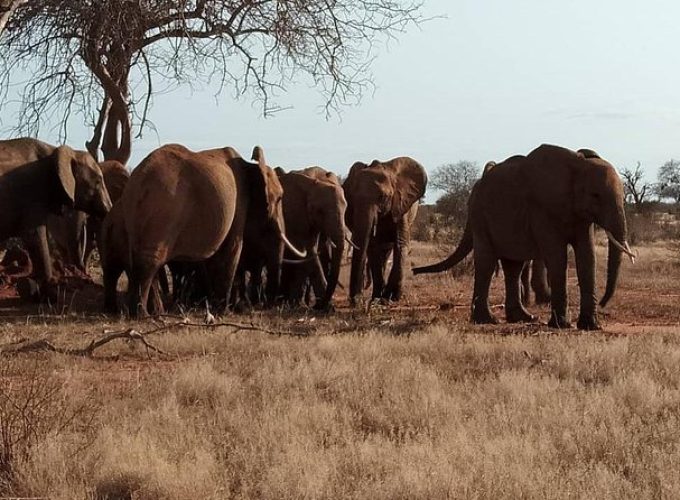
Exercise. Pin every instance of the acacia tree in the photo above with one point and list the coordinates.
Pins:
(668, 185)
(456, 181)
(634, 186)
(99, 51)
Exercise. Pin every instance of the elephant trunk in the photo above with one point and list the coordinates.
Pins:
(336, 262)
(361, 235)
(463, 249)
(617, 246)
(273, 263)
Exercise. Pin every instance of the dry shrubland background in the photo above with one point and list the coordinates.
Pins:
(408, 401)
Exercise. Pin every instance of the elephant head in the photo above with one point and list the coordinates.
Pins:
(381, 190)
(599, 198)
(266, 228)
(116, 177)
(81, 181)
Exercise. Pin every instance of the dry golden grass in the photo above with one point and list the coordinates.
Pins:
(401, 402)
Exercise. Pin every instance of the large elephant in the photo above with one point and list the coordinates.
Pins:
(381, 201)
(36, 180)
(314, 208)
(535, 207)
(194, 206)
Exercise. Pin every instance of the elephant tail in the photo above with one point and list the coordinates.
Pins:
(463, 250)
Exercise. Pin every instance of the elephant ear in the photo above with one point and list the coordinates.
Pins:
(63, 159)
(410, 184)
(588, 154)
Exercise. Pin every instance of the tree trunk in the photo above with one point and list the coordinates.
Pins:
(7, 8)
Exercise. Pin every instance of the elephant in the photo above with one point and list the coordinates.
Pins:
(38, 179)
(181, 205)
(73, 235)
(382, 199)
(535, 206)
(314, 208)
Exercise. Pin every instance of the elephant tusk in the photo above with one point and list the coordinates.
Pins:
(625, 249)
(84, 247)
(297, 261)
(351, 243)
(333, 245)
(290, 246)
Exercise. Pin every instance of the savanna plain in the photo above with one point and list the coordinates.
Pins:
(401, 401)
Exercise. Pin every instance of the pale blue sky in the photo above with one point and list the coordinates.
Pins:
(493, 79)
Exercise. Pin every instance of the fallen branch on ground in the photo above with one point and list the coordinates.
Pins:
(45, 345)
(130, 334)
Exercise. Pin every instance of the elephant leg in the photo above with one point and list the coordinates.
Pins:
(525, 290)
(111, 276)
(485, 265)
(155, 305)
(142, 277)
(584, 250)
(399, 257)
(377, 257)
(223, 271)
(556, 263)
(256, 291)
(539, 282)
(318, 283)
(514, 310)
(39, 252)
(307, 296)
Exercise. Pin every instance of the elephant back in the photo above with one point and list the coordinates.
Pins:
(181, 202)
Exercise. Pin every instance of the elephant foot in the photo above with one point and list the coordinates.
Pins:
(519, 315)
(111, 307)
(482, 316)
(588, 322)
(40, 293)
(392, 293)
(558, 321)
(28, 289)
(242, 307)
(356, 301)
(325, 308)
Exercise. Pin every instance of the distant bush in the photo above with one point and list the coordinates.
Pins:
(650, 226)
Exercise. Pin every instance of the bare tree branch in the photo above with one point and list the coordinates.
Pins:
(80, 53)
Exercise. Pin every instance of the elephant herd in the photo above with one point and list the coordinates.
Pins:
(233, 233)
